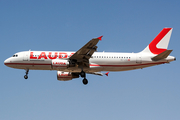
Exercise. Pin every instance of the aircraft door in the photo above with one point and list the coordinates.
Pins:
(25, 57)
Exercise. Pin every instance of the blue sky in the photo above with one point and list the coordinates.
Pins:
(127, 26)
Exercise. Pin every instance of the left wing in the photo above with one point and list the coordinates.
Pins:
(82, 56)
(98, 73)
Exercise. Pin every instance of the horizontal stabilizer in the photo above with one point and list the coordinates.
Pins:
(162, 55)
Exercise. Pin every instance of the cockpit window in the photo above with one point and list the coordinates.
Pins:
(15, 55)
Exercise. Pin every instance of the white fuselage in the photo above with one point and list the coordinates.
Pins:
(100, 61)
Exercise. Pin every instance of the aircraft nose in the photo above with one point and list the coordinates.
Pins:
(6, 62)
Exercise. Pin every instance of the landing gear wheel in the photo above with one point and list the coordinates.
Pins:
(85, 81)
(25, 77)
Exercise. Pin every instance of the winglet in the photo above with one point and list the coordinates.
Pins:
(107, 73)
(100, 38)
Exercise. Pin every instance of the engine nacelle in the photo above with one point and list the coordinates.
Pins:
(65, 76)
(60, 64)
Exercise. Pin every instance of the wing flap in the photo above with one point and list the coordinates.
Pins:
(96, 73)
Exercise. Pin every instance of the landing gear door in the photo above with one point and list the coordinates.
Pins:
(25, 57)
(138, 58)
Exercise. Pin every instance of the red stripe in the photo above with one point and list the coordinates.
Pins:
(90, 64)
(126, 65)
(25, 64)
(30, 64)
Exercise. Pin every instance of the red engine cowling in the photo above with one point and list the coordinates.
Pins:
(65, 76)
(60, 64)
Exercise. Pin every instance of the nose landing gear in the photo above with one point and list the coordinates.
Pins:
(26, 76)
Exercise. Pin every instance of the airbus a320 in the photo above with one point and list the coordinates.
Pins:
(86, 60)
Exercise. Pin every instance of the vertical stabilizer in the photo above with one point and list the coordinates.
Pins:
(160, 42)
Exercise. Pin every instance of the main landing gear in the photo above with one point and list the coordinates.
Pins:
(26, 76)
(83, 74)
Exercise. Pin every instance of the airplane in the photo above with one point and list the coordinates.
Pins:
(87, 60)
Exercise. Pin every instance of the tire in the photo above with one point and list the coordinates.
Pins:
(25, 77)
(85, 81)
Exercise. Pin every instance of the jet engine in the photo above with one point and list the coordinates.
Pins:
(66, 76)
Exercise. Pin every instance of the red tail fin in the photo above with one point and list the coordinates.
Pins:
(160, 42)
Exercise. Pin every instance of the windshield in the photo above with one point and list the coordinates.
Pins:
(15, 55)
